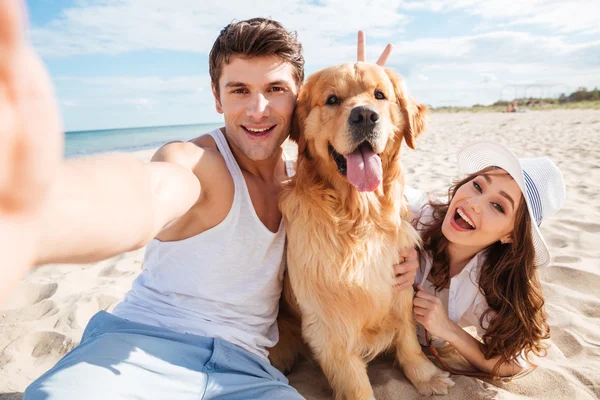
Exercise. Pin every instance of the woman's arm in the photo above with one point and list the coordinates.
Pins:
(470, 349)
(430, 312)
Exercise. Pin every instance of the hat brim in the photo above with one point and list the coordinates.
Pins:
(482, 154)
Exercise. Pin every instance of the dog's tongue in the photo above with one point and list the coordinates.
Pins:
(364, 168)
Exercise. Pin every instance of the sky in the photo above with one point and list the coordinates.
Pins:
(129, 63)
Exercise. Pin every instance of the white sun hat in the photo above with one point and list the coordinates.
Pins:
(539, 179)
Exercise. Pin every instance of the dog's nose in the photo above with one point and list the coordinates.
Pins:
(363, 116)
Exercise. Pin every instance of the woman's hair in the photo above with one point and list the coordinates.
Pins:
(508, 280)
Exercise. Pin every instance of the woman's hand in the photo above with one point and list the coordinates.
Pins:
(406, 270)
(430, 312)
(361, 51)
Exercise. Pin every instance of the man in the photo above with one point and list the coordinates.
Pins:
(200, 316)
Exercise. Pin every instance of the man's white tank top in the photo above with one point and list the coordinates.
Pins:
(223, 283)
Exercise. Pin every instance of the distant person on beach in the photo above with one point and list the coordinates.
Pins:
(201, 314)
(511, 107)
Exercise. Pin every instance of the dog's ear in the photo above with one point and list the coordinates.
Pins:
(415, 112)
(300, 114)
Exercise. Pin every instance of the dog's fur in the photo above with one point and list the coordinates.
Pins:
(342, 243)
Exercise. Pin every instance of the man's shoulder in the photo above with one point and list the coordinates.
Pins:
(198, 153)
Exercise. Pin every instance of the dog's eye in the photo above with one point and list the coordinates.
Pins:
(332, 100)
(379, 95)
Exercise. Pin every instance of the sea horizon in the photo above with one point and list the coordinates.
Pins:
(85, 142)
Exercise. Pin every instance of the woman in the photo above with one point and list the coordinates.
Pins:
(480, 255)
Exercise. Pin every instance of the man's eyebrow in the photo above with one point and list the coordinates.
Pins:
(242, 84)
(279, 82)
(235, 84)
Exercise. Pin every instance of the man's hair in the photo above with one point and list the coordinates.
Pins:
(256, 37)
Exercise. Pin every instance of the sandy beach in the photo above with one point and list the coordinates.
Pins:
(45, 318)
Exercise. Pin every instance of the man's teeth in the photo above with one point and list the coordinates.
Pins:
(258, 130)
(464, 216)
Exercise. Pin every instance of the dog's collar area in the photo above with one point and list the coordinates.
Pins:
(339, 160)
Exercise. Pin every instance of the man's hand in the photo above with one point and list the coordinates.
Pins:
(361, 50)
(31, 145)
(406, 271)
(31, 139)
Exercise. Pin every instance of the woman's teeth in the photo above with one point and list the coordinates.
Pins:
(464, 216)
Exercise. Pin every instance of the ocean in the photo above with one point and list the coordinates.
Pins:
(81, 143)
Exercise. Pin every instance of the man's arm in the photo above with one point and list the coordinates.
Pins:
(102, 206)
(52, 210)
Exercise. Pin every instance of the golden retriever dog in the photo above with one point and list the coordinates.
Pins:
(347, 224)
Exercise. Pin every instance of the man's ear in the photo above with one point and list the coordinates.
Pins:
(217, 99)
(414, 111)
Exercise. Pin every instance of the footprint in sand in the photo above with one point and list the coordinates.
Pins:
(110, 271)
(557, 241)
(577, 280)
(569, 343)
(567, 259)
(569, 211)
(83, 310)
(590, 227)
(587, 375)
(35, 312)
(11, 396)
(30, 293)
(38, 345)
(569, 306)
(49, 343)
(589, 308)
(118, 267)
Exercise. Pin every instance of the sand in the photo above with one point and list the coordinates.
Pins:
(46, 316)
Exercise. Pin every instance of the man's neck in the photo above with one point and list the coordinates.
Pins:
(269, 170)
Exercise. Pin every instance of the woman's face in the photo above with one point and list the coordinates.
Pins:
(483, 210)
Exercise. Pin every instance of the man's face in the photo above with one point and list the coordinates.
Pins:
(257, 98)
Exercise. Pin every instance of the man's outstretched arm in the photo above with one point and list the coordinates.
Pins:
(102, 206)
(52, 210)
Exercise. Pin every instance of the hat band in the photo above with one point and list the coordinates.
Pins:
(534, 198)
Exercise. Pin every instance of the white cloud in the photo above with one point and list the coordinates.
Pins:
(139, 102)
(124, 101)
(564, 16)
(114, 27)
(141, 84)
(480, 67)
(486, 67)
(135, 91)
(488, 77)
(503, 46)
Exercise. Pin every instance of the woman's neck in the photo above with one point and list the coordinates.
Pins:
(459, 256)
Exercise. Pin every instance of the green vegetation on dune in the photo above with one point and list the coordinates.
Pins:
(579, 99)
